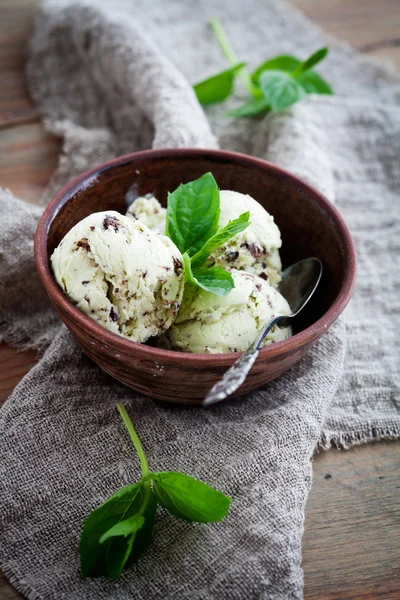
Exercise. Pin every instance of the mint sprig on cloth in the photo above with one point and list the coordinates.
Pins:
(276, 84)
(117, 533)
(192, 224)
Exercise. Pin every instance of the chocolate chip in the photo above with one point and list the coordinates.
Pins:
(85, 282)
(258, 286)
(111, 221)
(232, 256)
(87, 299)
(264, 265)
(92, 228)
(263, 276)
(116, 290)
(83, 243)
(254, 250)
(113, 314)
(177, 265)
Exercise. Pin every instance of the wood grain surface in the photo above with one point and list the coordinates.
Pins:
(351, 545)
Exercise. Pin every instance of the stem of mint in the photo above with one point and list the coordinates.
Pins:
(229, 52)
(135, 439)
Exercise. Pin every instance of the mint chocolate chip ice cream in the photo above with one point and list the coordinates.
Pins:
(211, 324)
(121, 274)
(254, 250)
(148, 211)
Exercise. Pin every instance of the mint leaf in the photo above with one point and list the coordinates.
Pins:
(218, 87)
(283, 62)
(213, 279)
(188, 498)
(95, 556)
(314, 83)
(256, 106)
(313, 60)
(280, 89)
(193, 213)
(187, 265)
(127, 527)
(119, 551)
(144, 535)
(223, 235)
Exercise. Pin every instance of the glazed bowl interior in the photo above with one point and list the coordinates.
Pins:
(307, 228)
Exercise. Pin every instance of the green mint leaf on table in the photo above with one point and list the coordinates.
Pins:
(188, 498)
(277, 83)
(99, 554)
(193, 213)
(119, 531)
(314, 83)
(283, 62)
(218, 87)
(280, 89)
(313, 60)
(256, 106)
(223, 235)
(126, 528)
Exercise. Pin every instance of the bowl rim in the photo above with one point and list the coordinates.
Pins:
(150, 352)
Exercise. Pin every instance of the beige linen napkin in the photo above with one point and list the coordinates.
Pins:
(115, 78)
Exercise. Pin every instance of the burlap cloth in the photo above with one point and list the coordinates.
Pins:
(113, 79)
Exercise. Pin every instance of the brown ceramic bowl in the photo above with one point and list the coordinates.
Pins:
(310, 226)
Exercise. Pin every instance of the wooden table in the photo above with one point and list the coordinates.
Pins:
(351, 546)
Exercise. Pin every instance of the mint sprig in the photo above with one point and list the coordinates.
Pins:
(118, 532)
(192, 224)
(276, 84)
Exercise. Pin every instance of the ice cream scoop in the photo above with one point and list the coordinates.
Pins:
(255, 250)
(121, 274)
(148, 211)
(212, 324)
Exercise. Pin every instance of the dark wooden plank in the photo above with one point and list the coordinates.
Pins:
(13, 366)
(351, 545)
(372, 26)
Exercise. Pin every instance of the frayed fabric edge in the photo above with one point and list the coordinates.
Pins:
(19, 340)
(344, 441)
(19, 584)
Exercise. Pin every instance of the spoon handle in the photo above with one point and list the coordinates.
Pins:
(237, 373)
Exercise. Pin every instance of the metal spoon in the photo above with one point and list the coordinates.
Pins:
(298, 285)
